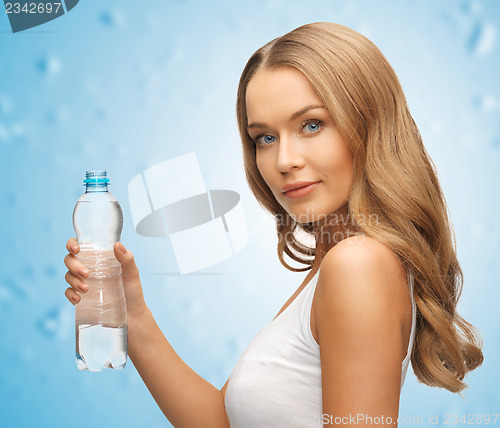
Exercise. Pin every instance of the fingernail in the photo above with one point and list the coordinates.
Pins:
(122, 248)
(74, 248)
(83, 271)
(83, 286)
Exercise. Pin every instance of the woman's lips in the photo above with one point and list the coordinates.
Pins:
(302, 191)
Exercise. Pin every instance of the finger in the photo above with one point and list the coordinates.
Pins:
(72, 246)
(75, 267)
(76, 283)
(130, 272)
(72, 296)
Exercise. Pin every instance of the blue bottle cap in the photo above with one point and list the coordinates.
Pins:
(95, 178)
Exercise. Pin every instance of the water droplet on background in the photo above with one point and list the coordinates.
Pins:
(482, 39)
(232, 344)
(13, 288)
(57, 322)
(57, 115)
(50, 271)
(485, 102)
(471, 7)
(48, 65)
(111, 18)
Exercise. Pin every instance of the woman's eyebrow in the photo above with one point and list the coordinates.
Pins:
(292, 117)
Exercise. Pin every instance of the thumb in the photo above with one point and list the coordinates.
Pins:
(130, 271)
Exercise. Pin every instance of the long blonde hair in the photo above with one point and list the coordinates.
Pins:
(394, 178)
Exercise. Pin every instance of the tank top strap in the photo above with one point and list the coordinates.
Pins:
(305, 313)
(413, 318)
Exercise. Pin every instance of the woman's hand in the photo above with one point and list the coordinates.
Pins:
(77, 273)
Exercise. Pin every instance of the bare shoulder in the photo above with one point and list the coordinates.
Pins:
(361, 251)
(362, 257)
(361, 274)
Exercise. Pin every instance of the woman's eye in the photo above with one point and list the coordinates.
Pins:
(311, 127)
(265, 139)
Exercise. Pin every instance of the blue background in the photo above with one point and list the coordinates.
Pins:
(122, 86)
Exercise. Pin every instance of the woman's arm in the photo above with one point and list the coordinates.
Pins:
(361, 307)
(185, 398)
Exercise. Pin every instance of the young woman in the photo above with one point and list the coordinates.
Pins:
(331, 150)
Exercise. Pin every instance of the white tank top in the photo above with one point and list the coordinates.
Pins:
(277, 380)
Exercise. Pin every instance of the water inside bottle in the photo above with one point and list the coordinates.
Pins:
(101, 318)
(98, 220)
(100, 347)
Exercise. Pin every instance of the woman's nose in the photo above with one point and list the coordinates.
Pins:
(289, 155)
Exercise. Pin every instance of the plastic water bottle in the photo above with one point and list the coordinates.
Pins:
(100, 316)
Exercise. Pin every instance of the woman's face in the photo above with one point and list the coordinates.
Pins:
(296, 141)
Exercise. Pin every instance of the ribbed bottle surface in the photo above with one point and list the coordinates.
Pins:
(100, 316)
